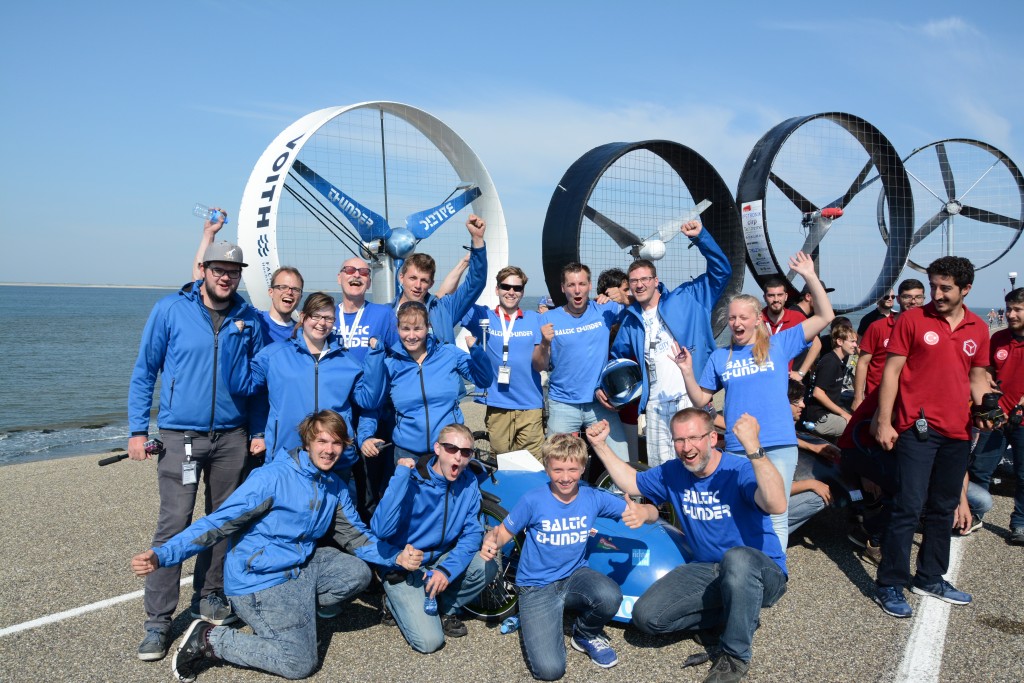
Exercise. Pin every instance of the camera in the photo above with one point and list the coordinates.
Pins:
(989, 409)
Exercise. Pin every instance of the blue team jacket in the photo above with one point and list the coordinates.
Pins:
(298, 383)
(425, 397)
(436, 516)
(686, 311)
(445, 313)
(205, 372)
(273, 520)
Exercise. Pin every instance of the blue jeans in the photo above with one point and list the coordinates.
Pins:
(802, 507)
(929, 477)
(593, 595)
(987, 455)
(283, 617)
(567, 418)
(784, 458)
(703, 595)
(405, 600)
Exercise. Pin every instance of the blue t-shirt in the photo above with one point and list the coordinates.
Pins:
(717, 512)
(274, 331)
(579, 350)
(557, 532)
(760, 390)
(522, 392)
(377, 320)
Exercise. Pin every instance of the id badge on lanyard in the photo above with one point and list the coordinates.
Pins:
(189, 472)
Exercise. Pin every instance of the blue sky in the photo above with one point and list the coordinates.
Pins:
(119, 116)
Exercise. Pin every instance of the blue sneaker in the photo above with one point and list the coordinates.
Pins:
(597, 648)
(944, 591)
(892, 602)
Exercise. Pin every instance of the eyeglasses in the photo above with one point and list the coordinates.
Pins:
(910, 297)
(352, 270)
(889, 297)
(634, 281)
(221, 272)
(452, 449)
(684, 441)
(329, 319)
(513, 288)
(286, 288)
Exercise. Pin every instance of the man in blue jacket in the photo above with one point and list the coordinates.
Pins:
(432, 507)
(201, 339)
(658, 317)
(416, 277)
(275, 576)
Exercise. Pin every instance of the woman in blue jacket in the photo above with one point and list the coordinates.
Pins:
(275, 576)
(754, 371)
(423, 377)
(311, 371)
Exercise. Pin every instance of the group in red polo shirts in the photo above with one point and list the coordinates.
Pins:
(1007, 362)
(936, 365)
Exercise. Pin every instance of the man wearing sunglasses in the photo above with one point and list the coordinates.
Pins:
(431, 508)
(202, 340)
(883, 309)
(357, 321)
(515, 401)
(875, 340)
(655, 319)
(416, 277)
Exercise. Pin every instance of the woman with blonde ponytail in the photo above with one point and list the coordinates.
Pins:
(754, 371)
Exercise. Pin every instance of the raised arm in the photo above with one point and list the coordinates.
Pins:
(771, 493)
(803, 265)
(620, 471)
(542, 351)
(699, 396)
(210, 230)
(451, 281)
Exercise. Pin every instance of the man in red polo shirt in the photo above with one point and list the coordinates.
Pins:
(1007, 358)
(777, 318)
(876, 338)
(937, 358)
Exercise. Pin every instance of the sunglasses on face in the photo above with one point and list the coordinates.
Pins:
(452, 449)
(352, 270)
(510, 288)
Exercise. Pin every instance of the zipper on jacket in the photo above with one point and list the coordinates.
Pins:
(444, 517)
(426, 411)
(213, 402)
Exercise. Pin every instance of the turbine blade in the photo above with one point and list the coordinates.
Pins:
(947, 171)
(986, 216)
(929, 227)
(620, 235)
(802, 203)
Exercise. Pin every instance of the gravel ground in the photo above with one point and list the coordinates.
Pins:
(68, 529)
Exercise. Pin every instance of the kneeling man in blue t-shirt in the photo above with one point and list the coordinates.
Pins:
(735, 565)
(553, 572)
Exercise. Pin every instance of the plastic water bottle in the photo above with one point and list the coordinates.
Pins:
(206, 213)
(429, 603)
(510, 625)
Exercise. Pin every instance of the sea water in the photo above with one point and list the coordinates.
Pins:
(66, 357)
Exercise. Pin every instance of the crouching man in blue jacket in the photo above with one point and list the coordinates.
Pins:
(275, 576)
(432, 507)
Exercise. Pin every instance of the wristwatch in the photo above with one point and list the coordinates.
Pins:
(756, 455)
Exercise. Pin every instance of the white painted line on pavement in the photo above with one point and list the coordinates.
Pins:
(922, 659)
(61, 616)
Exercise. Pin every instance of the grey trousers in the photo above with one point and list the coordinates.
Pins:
(220, 462)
